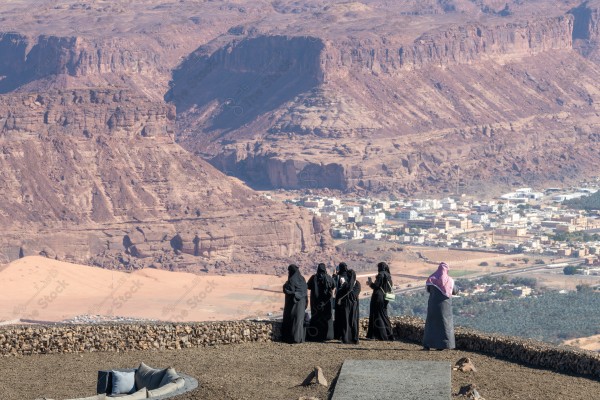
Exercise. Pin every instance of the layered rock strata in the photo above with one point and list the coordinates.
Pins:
(399, 111)
(86, 172)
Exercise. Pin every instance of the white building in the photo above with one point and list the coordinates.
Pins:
(332, 201)
(448, 204)
(314, 203)
(374, 218)
(479, 218)
(407, 214)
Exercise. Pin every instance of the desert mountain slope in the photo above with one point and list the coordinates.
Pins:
(95, 173)
(371, 95)
(397, 102)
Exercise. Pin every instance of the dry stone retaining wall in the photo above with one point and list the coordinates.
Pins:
(529, 352)
(26, 340)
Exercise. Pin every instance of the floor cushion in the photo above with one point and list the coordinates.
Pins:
(123, 382)
(147, 377)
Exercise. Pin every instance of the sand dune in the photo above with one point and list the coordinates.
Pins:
(42, 289)
(587, 343)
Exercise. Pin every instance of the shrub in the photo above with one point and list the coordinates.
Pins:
(570, 270)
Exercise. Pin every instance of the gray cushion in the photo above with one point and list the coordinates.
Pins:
(150, 378)
(170, 376)
(96, 397)
(123, 382)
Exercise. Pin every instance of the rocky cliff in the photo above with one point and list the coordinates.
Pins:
(449, 45)
(95, 176)
(42, 63)
(396, 110)
(364, 96)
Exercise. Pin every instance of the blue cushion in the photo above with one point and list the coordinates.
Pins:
(123, 382)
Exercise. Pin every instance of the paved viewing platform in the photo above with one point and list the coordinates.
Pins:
(393, 379)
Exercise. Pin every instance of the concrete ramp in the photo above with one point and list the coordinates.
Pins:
(393, 379)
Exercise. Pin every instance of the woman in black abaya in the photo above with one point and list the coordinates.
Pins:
(346, 307)
(295, 290)
(321, 316)
(380, 327)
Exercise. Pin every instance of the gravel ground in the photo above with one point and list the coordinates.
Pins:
(275, 370)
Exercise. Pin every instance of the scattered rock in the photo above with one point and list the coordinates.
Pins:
(317, 376)
(464, 365)
(470, 392)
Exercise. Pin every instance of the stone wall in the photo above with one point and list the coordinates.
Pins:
(27, 340)
(530, 352)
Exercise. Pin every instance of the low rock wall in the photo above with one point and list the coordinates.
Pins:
(53, 339)
(524, 351)
(27, 340)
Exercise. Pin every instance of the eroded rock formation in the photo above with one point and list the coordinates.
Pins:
(87, 172)
(404, 102)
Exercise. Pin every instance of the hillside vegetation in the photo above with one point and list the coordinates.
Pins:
(551, 316)
(586, 203)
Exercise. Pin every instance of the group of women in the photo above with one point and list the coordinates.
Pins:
(334, 307)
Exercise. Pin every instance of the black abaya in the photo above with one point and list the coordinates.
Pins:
(295, 290)
(380, 326)
(321, 316)
(346, 308)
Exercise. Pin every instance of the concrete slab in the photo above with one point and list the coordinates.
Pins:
(393, 379)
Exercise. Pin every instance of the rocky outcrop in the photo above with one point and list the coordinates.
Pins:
(82, 114)
(29, 60)
(456, 44)
(268, 170)
(372, 96)
(83, 169)
(586, 29)
(396, 113)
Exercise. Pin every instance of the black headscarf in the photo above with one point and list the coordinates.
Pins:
(296, 281)
(343, 268)
(321, 272)
(323, 283)
(384, 270)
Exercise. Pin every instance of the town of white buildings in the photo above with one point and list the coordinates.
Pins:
(524, 221)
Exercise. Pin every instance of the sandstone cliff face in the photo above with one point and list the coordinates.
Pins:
(457, 44)
(394, 112)
(586, 30)
(82, 114)
(83, 169)
(53, 62)
(367, 95)
(242, 81)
